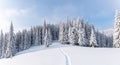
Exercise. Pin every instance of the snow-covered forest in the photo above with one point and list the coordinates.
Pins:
(71, 32)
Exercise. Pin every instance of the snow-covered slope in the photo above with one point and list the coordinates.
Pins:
(93, 56)
(65, 55)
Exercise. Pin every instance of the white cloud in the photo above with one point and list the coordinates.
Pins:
(6, 15)
(115, 4)
(12, 12)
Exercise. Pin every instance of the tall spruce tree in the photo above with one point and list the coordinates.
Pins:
(61, 33)
(82, 39)
(93, 41)
(117, 30)
(73, 37)
(1, 45)
(11, 44)
(47, 38)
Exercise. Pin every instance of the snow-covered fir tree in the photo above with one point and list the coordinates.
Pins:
(103, 41)
(44, 30)
(32, 36)
(1, 45)
(82, 39)
(25, 39)
(47, 38)
(116, 35)
(6, 41)
(29, 39)
(18, 42)
(80, 24)
(55, 32)
(11, 44)
(65, 35)
(93, 42)
(87, 33)
(73, 37)
(61, 33)
(38, 35)
(81, 33)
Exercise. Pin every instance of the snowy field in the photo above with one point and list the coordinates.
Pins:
(65, 55)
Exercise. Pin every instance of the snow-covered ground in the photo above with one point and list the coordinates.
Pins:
(65, 55)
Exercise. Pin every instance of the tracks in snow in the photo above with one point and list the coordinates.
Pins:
(68, 61)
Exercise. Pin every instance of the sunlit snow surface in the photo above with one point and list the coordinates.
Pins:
(39, 55)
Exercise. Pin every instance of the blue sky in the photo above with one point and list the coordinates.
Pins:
(27, 13)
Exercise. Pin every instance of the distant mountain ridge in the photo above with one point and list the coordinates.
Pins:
(108, 32)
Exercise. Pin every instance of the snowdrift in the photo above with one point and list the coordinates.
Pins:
(68, 55)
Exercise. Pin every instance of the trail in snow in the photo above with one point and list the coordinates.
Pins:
(68, 61)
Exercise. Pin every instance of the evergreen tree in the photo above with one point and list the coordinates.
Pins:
(61, 33)
(47, 38)
(98, 38)
(29, 39)
(93, 41)
(6, 41)
(44, 30)
(73, 37)
(65, 36)
(18, 41)
(81, 33)
(38, 39)
(25, 39)
(103, 40)
(117, 30)
(1, 45)
(40, 35)
(87, 33)
(82, 39)
(11, 44)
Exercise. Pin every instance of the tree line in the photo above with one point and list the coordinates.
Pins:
(78, 32)
(72, 32)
